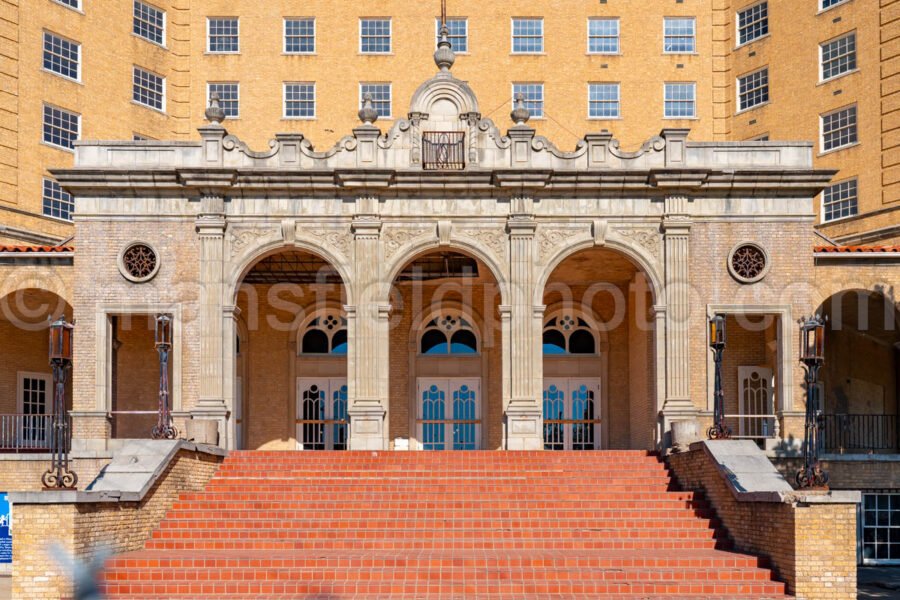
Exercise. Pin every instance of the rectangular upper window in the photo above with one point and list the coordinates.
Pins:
(375, 36)
(56, 202)
(753, 22)
(603, 36)
(62, 56)
(300, 36)
(527, 35)
(753, 89)
(838, 56)
(823, 4)
(381, 97)
(149, 23)
(680, 100)
(76, 4)
(840, 200)
(61, 127)
(533, 94)
(148, 89)
(300, 100)
(223, 35)
(603, 100)
(459, 33)
(679, 35)
(839, 128)
(229, 97)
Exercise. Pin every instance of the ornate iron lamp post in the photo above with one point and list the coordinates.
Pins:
(812, 355)
(58, 476)
(163, 429)
(719, 430)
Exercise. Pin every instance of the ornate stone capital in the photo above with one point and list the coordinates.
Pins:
(366, 227)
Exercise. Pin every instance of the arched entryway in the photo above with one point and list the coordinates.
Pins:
(445, 343)
(860, 382)
(291, 354)
(599, 359)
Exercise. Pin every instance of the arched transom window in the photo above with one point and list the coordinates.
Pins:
(569, 333)
(450, 332)
(326, 333)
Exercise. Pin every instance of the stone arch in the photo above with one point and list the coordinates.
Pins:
(645, 263)
(45, 279)
(240, 268)
(418, 248)
(424, 316)
(594, 323)
(331, 307)
(446, 88)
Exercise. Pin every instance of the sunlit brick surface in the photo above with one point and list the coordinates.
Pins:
(439, 525)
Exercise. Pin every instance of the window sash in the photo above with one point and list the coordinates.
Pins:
(149, 23)
(223, 35)
(148, 89)
(229, 97)
(62, 56)
(381, 98)
(458, 33)
(840, 200)
(527, 36)
(603, 100)
(300, 36)
(839, 129)
(753, 22)
(60, 127)
(375, 36)
(838, 56)
(534, 97)
(680, 100)
(753, 89)
(603, 36)
(678, 39)
(300, 100)
(56, 202)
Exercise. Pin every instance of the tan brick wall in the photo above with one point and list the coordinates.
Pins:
(812, 548)
(22, 473)
(870, 474)
(81, 529)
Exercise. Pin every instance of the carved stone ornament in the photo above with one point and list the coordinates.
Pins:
(748, 262)
(245, 237)
(138, 262)
(394, 239)
(550, 239)
(647, 238)
(496, 240)
(339, 239)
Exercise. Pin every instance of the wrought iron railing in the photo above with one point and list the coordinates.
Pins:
(860, 432)
(582, 431)
(315, 436)
(20, 433)
(443, 150)
(752, 427)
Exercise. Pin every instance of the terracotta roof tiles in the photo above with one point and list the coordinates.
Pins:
(23, 248)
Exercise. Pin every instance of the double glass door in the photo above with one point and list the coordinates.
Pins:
(449, 413)
(322, 422)
(572, 414)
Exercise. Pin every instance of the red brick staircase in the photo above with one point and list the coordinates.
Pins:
(450, 525)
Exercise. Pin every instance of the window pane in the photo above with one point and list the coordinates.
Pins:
(148, 88)
(300, 36)
(300, 100)
(839, 128)
(679, 36)
(680, 100)
(61, 56)
(528, 35)
(149, 22)
(603, 100)
(534, 97)
(229, 98)
(753, 22)
(603, 36)
(60, 127)
(223, 34)
(381, 97)
(840, 200)
(753, 89)
(57, 203)
(839, 56)
(459, 33)
(375, 36)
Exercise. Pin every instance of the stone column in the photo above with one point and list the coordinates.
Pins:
(230, 314)
(522, 332)
(677, 235)
(211, 225)
(368, 334)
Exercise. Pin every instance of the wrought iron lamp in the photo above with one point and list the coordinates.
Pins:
(164, 429)
(58, 476)
(812, 355)
(719, 430)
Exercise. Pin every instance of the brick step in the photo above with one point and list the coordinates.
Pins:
(415, 513)
(547, 496)
(508, 456)
(217, 506)
(471, 488)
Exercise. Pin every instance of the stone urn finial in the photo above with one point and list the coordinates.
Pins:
(215, 113)
(444, 57)
(520, 114)
(368, 114)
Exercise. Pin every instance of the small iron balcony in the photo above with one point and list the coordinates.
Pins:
(443, 150)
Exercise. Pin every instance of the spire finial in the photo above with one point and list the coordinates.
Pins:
(215, 113)
(444, 56)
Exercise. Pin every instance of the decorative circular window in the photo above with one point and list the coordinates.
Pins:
(748, 262)
(138, 262)
(448, 333)
(326, 333)
(568, 334)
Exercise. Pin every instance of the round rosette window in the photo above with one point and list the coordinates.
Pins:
(748, 262)
(138, 262)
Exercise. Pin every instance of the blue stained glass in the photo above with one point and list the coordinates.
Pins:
(464, 410)
(457, 348)
(339, 412)
(340, 349)
(583, 409)
(433, 410)
(554, 409)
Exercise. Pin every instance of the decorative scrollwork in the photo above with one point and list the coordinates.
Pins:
(748, 263)
(63, 479)
(812, 478)
(394, 239)
(550, 239)
(165, 432)
(138, 262)
(654, 144)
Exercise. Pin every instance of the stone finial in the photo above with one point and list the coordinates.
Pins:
(444, 57)
(520, 114)
(368, 114)
(215, 113)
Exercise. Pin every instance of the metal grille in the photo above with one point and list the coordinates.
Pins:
(444, 150)
(860, 432)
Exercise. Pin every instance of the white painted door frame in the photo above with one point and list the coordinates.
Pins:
(465, 431)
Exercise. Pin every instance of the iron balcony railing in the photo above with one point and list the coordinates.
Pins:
(860, 432)
(752, 426)
(443, 150)
(25, 433)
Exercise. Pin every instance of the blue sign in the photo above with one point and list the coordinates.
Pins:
(5, 529)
